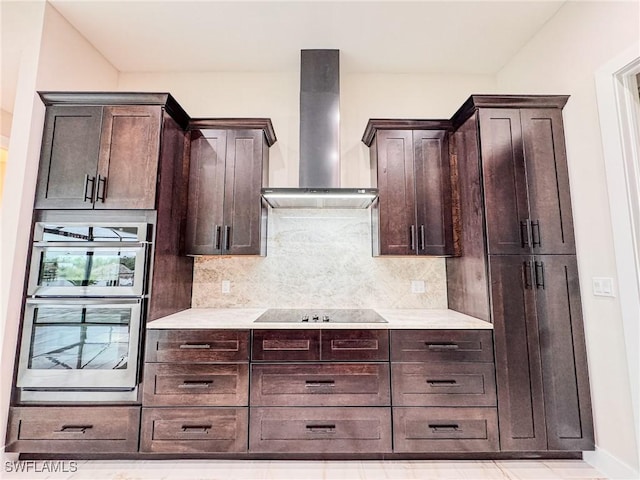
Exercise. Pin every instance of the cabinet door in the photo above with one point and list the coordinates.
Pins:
(242, 200)
(206, 192)
(434, 228)
(505, 183)
(69, 156)
(548, 181)
(129, 151)
(396, 185)
(517, 347)
(564, 361)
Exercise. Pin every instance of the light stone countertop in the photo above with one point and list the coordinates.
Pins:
(244, 318)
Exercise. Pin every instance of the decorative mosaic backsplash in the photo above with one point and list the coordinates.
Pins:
(319, 259)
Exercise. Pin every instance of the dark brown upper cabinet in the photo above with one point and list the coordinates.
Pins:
(524, 166)
(229, 166)
(413, 213)
(101, 151)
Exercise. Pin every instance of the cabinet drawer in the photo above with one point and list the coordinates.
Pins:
(444, 384)
(283, 345)
(355, 384)
(197, 346)
(320, 430)
(441, 346)
(194, 430)
(445, 429)
(73, 429)
(198, 384)
(356, 345)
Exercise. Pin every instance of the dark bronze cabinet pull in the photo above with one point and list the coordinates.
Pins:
(227, 237)
(328, 428)
(444, 427)
(525, 233)
(528, 275)
(195, 345)
(442, 346)
(539, 274)
(88, 179)
(441, 383)
(536, 239)
(320, 383)
(101, 181)
(422, 237)
(196, 384)
(196, 428)
(76, 428)
(217, 236)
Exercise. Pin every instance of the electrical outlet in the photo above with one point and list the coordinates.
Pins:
(226, 286)
(417, 286)
(603, 286)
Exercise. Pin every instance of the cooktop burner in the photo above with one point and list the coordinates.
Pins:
(310, 315)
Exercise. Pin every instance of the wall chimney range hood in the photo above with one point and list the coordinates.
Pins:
(319, 178)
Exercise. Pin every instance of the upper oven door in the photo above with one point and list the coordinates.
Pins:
(87, 270)
(80, 344)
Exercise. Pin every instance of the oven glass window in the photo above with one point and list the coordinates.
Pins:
(82, 268)
(87, 233)
(80, 338)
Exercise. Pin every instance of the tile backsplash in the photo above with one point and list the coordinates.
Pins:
(319, 259)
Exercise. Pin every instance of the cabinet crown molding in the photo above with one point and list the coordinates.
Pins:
(263, 124)
(165, 100)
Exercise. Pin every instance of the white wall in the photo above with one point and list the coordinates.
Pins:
(54, 57)
(563, 58)
(276, 96)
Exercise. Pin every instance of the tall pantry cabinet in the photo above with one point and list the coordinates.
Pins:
(518, 267)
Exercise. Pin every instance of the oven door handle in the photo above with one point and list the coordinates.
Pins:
(84, 301)
(90, 245)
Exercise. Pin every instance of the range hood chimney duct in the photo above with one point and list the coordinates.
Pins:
(319, 164)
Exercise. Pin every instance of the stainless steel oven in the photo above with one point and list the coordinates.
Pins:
(88, 260)
(84, 310)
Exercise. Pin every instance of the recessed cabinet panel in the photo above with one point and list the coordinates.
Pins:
(73, 429)
(505, 182)
(197, 346)
(355, 345)
(286, 345)
(69, 157)
(396, 183)
(194, 430)
(129, 152)
(551, 220)
(328, 384)
(566, 382)
(320, 430)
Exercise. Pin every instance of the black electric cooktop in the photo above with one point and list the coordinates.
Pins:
(319, 315)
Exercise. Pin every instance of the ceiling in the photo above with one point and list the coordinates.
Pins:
(469, 37)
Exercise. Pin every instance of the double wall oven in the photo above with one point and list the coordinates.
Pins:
(83, 310)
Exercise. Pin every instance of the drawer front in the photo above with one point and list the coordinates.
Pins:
(353, 384)
(354, 345)
(198, 384)
(444, 384)
(286, 345)
(73, 429)
(194, 430)
(441, 346)
(197, 346)
(419, 429)
(320, 430)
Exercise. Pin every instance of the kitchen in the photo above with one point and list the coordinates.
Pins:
(439, 107)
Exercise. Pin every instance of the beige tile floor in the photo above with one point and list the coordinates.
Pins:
(312, 470)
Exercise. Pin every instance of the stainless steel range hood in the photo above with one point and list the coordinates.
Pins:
(319, 178)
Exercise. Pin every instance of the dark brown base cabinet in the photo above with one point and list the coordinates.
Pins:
(518, 267)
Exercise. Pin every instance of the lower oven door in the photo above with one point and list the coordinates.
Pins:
(80, 344)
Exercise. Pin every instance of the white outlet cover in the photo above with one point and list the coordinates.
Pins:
(417, 286)
(226, 286)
